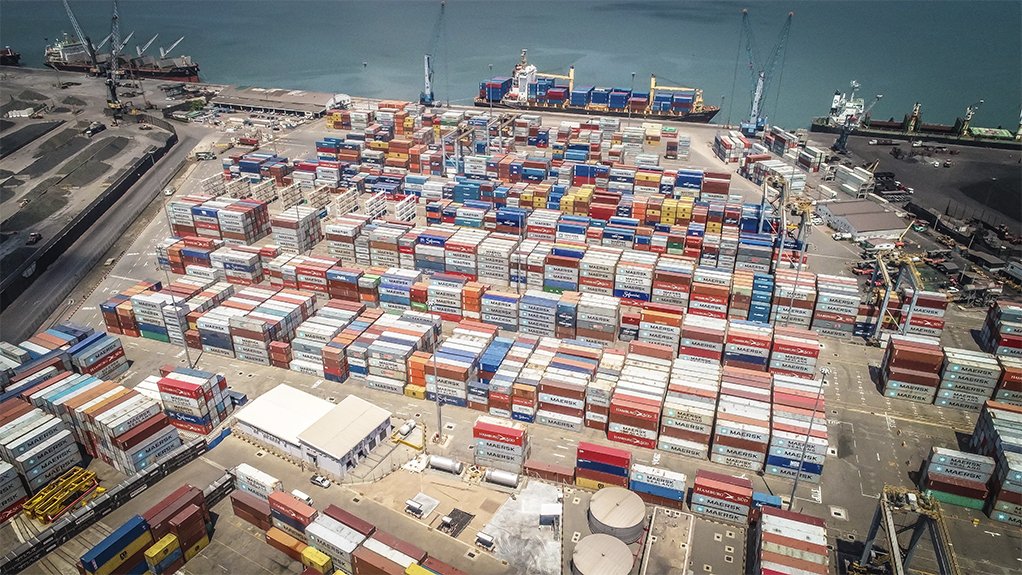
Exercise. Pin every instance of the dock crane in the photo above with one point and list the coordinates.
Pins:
(969, 113)
(852, 122)
(427, 98)
(762, 71)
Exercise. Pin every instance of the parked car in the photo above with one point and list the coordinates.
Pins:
(320, 481)
(169, 191)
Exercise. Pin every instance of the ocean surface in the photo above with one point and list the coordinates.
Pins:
(944, 54)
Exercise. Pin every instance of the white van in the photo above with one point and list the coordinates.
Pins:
(302, 496)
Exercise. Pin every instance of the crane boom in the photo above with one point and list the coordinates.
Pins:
(74, 23)
(164, 52)
(142, 50)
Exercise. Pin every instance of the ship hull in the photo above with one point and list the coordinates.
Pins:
(941, 138)
(703, 117)
(175, 74)
(10, 59)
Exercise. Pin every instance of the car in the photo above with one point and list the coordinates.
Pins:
(203, 156)
(169, 191)
(320, 481)
(817, 221)
(34, 238)
(936, 164)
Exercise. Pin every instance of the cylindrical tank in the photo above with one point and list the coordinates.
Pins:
(505, 478)
(446, 464)
(407, 428)
(601, 554)
(618, 512)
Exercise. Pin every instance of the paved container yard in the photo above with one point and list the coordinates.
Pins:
(874, 440)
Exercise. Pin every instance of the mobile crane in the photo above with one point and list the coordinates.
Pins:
(852, 122)
(762, 71)
(427, 97)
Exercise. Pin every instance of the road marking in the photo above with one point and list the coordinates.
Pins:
(559, 455)
(123, 278)
(317, 384)
(133, 253)
(878, 456)
(88, 308)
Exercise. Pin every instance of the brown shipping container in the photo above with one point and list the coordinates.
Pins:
(356, 523)
(241, 499)
(440, 567)
(400, 545)
(368, 562)
(550, 471)
(806, 566)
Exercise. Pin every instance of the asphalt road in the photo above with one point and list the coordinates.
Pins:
(24, 315)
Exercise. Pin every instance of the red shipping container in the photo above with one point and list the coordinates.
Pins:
(604, 454)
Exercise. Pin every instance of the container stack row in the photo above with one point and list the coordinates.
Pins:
(159, 541)
(789, 542)
(997, 433)
(329, 541)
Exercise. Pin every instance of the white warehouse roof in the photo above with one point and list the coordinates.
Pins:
(341, 430)
(284, 412)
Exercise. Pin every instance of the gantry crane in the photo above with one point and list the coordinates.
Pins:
(898, 501)
(852, 122)
(762, 71)
(427, 98)
(969, 113)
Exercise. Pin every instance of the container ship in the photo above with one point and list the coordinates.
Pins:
(9, 57)
(530, 89)
(911, 126)
(72, 55)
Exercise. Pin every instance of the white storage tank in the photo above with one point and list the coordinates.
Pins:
(601, 554)
(618, 512)
(500, 477)
(446, 464)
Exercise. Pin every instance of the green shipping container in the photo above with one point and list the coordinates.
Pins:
(952, 499)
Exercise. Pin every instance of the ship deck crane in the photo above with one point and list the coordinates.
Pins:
(427, 97)
(898, 502)
(852, 122)
(697, 100)
(164, 52)
(969, 113)
(762, 71)
(141, 50)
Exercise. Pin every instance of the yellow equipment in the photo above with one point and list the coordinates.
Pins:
(73, 488)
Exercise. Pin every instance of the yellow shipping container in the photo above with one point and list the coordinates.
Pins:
(312, 557)
(161, 549)
(144, 540)
(416, 569)
(587, 483)
(397, 156)
(416, 391)
(194, 550)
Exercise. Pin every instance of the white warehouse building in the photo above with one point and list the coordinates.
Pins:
(863, 219)
(341, 439)
(308, 430)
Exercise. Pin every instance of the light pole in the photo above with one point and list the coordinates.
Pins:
(805, 444)
(490, 118)
(631, 91)
(722, 107)
(439, 399)
(166, 275)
